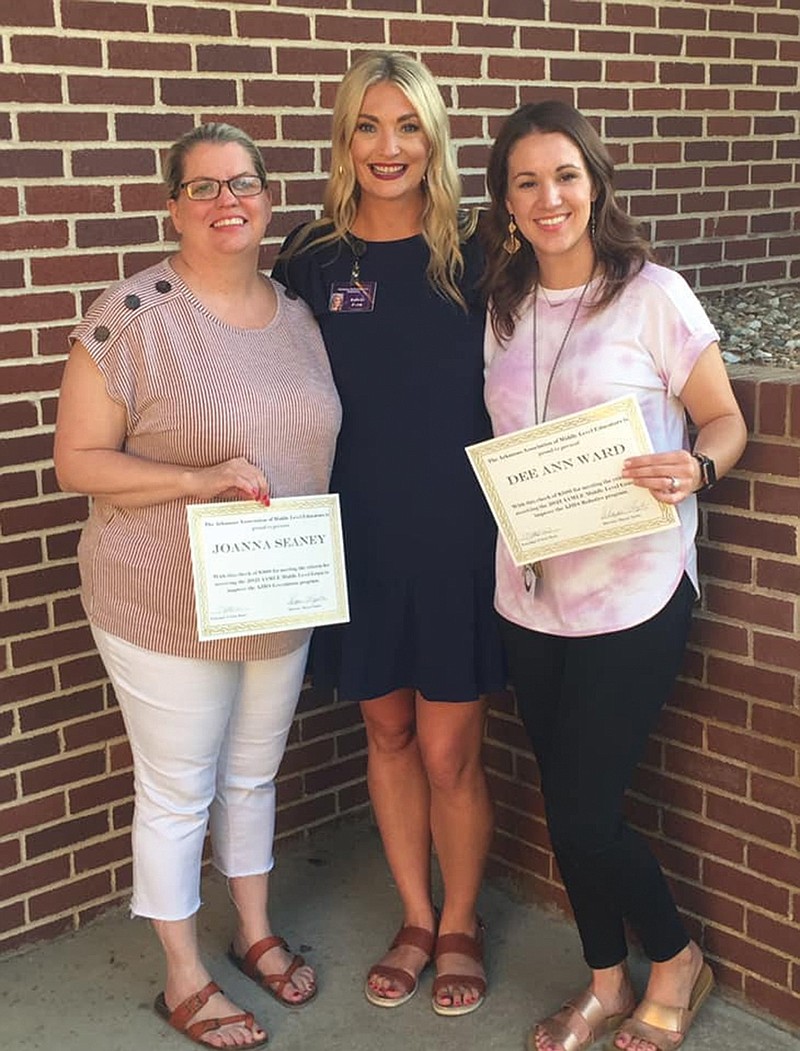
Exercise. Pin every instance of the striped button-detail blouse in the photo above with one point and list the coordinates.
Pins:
(197, 391)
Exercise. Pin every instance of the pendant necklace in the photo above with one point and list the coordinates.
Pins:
(535, 570)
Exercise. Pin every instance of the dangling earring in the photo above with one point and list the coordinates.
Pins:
(340, 169)
(511, 243)
(592, 223)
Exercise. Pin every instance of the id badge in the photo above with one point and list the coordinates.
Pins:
(352, 298)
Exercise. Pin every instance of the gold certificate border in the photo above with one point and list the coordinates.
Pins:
(664, 516)
(340, 613)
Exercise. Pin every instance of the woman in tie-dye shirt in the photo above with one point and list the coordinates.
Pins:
(580, 315)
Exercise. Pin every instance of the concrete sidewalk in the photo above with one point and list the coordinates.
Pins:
(333, 900)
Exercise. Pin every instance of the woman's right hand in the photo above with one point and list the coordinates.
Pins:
(235, 479)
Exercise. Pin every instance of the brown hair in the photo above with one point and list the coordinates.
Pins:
(620, 248)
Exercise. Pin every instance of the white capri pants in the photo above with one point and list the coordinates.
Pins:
(207, 740)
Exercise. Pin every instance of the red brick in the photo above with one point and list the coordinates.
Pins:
(780, 867)
(710, 907)
(314, 61)
(268, 93)
(76, 892)
(740, 951)
(778, 723)
(64, 834)
(80, 672)
(746, 886)
(745, 748)
(91, 233)
(134, 54)
(430, 33)
(753, 681)
(99, 730)
(668, 789)
(47, 513)
(725, 638)
(151, 127)
(31, 877)
(17, 554)
(305, 814)
(768, 998)
(236, 58)
(742, 816)
(11, 917)
(104, 854)
(112, 89)
(306, 756)
(56, 51)
(777, 650)
(63, 127)
(80, 14)
(705, 770)
(111, 789)
(27, 815)
(42, 647)
(30, 88)
(189, 20)
(776, 935)
(782, 795)
(208, 91)
(758, 534)
(50, 270)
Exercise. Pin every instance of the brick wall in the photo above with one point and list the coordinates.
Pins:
(719, 791)
(699, 101)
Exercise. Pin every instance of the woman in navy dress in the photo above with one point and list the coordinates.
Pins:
(390, 272)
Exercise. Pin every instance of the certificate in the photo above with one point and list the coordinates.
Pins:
(557, 487)
(260, 569)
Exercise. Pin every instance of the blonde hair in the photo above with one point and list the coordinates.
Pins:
(443, 226)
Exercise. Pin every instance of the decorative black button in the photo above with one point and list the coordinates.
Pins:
(163, 286)
(132, 302)
(101, 333)
(290, 293)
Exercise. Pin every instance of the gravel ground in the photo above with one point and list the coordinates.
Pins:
(757, 326)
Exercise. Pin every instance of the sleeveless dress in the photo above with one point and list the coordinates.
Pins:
(419, 538)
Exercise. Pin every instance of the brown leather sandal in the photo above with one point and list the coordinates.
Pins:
(464, 945)
(181, 1017)
(274, 984)
(421, 939)
(579, 1024)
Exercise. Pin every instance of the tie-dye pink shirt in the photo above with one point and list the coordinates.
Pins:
(645, 343)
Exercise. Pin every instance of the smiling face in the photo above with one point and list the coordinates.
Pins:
(389, 149)
(227, 224)
(550, 195)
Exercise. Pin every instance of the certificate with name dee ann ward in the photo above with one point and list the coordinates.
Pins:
(557, 487)
(262, 569)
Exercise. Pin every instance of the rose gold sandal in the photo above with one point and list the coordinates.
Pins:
(666, 1027)
(579, 1024)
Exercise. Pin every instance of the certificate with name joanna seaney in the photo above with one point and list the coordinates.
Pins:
(557, 487)
(261, 569)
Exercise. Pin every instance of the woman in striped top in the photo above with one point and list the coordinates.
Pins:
(197, 380)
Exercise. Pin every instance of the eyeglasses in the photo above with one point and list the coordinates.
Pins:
(209, 189)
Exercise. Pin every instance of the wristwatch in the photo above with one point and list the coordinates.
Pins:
(708, 472)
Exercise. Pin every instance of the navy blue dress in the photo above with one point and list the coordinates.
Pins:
(419, 538)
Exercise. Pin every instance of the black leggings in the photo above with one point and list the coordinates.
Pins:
(589, 705)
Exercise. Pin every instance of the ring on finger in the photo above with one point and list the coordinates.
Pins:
(673, 484)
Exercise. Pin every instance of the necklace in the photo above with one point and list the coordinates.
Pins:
(533, 571)
(560, 302)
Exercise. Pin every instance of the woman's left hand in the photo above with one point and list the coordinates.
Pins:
(670, 477)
